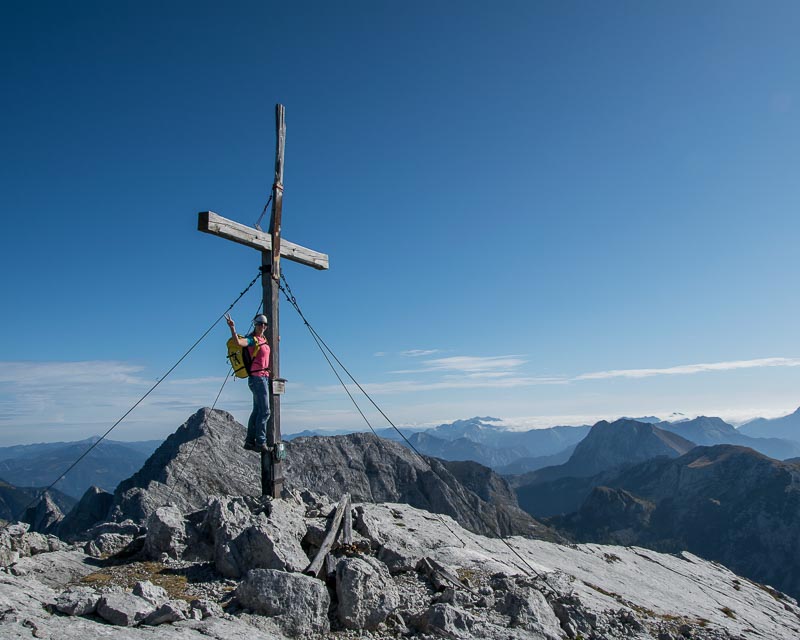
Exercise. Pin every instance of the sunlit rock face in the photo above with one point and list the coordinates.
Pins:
(724, 503)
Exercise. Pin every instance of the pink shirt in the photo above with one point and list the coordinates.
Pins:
(260, 364)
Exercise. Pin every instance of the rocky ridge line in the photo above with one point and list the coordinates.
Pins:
(204, 457)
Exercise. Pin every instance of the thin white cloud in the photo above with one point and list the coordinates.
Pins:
(474, 364)
(81, 372)
(418, 353)
(501, 372)
(689, 369)
(379, 354)
(448, 383)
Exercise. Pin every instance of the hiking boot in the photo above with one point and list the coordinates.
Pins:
(250, 446)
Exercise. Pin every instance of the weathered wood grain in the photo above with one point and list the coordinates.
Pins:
(332, 533)
(215, 224)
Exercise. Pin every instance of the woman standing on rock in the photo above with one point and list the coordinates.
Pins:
(257, 380)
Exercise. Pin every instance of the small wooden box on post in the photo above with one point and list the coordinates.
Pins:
(272, 248)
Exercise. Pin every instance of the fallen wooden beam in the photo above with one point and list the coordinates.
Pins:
(347, 527)
(332, 532)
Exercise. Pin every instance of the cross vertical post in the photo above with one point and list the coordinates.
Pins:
(272, 248)
(271, 466)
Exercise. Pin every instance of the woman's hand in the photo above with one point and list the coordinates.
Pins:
(229, 320)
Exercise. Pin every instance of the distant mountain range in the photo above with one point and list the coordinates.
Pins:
(483, 440)
(609, 447)
(787, 427)
(38, 465)
(510, 452)
(480, 439)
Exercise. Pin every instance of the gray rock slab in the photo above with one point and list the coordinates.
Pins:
(24, 602)
(603, 577)
(526, 607)
(166, 533)
(266, 539)
(91, 509)
(148, 591)
(8, 556)
(56, 544)
(123, 609)
(207, 608)
(18, 529)
(37, 543)
(58, 568)
(107, 544)
(126, 527)
(298, 603)
(168, 612)
(365, 592)
(78, 601)
(448, 621)
(220, 629)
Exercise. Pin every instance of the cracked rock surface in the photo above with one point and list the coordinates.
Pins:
(451, 583)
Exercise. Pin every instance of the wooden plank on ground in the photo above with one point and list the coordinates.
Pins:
(332, 532)
(347, 527)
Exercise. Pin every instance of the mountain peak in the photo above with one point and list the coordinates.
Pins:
(624, 441)
(204, 457)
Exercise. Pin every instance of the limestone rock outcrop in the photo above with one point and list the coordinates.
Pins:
(365, 592)
(299, 603)
(204, 457)
(251, 534)
(91, 508)
(372, 469)
(463, 585)
(44, 516)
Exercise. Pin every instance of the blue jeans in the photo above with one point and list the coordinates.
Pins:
(257, 424)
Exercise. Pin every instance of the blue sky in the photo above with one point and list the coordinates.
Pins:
(548, 212)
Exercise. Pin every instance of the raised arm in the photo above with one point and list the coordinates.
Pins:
(242, 342)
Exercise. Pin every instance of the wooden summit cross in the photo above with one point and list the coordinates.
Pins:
(272, 248)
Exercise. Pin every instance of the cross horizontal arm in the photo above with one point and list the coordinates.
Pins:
(210, 222)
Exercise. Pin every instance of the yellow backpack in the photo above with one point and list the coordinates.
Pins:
(240, 357)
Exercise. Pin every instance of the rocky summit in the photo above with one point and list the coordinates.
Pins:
(205, 457)
(237, 568)
(368, 541)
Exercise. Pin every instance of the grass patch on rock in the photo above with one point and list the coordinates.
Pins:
(127, 575)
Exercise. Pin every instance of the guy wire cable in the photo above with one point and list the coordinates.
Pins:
(293, 301)
(205, 419)
(138, 402)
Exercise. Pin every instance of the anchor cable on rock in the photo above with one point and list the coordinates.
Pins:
(287, 292)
